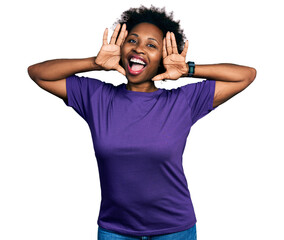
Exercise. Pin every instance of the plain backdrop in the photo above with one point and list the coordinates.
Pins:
(233, 161)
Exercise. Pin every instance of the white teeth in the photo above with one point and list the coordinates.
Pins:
(136, 60)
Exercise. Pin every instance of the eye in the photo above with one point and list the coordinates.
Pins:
(151, 45)
(131, 41)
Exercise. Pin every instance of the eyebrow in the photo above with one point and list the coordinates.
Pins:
(148, 38)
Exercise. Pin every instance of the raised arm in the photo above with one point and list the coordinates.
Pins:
(51, 75)
(230, 79)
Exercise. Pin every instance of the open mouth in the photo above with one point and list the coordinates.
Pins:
(136, 65)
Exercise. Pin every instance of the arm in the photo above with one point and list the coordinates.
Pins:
(230, 79)
(57, 69)
(51, 75)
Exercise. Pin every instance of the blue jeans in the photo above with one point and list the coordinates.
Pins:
(189, 234)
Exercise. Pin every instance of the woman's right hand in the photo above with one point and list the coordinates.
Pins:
(109, 55)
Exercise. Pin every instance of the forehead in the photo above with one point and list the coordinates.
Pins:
(148, 29)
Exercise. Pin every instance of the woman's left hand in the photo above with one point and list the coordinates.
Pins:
(174, 62)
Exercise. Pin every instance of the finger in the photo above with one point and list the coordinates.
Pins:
(184, 51)
(169, 44)
(160, 77)
(105, 36)
(125, 36)
(174, 43)
(115, 33)
(164, 48)
(120, 38)
(121, 70)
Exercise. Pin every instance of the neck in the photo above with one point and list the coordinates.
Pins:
(143, 87)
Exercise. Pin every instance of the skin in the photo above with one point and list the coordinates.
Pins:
(230, 78)
(145, 40)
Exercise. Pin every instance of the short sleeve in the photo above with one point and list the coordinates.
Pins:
(200, 98)
(79, 92)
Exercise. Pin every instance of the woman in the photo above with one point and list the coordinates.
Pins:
(139, 131)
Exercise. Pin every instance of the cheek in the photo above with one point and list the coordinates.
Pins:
(157, 58)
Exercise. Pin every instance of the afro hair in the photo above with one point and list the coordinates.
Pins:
(155, 16)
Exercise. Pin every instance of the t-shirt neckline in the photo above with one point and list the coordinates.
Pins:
(129, 92)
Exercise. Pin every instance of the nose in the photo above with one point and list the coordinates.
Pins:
(139, 49)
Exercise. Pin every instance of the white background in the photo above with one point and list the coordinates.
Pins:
(233, 161)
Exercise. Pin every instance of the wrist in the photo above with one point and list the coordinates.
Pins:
(185, 74)
(94, 65)
(191, 68)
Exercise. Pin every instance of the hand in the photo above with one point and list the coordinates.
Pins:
(174, 62)
(109, 55)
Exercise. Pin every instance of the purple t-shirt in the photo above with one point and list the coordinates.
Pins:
(139, 139)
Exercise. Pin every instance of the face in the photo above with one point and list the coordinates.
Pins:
(141, 52)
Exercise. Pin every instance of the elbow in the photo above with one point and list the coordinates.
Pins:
(251, 75)
(31, 72)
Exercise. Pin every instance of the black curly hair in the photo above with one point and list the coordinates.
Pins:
(157, 16)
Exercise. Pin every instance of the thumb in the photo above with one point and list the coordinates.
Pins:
(160, 77)
(121, 70)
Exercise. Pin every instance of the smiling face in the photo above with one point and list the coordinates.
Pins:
(141, 52)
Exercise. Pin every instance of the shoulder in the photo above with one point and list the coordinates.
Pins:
(89, 83)
(198, 88)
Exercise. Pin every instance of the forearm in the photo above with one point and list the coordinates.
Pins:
(224, 72)
(56, 69)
